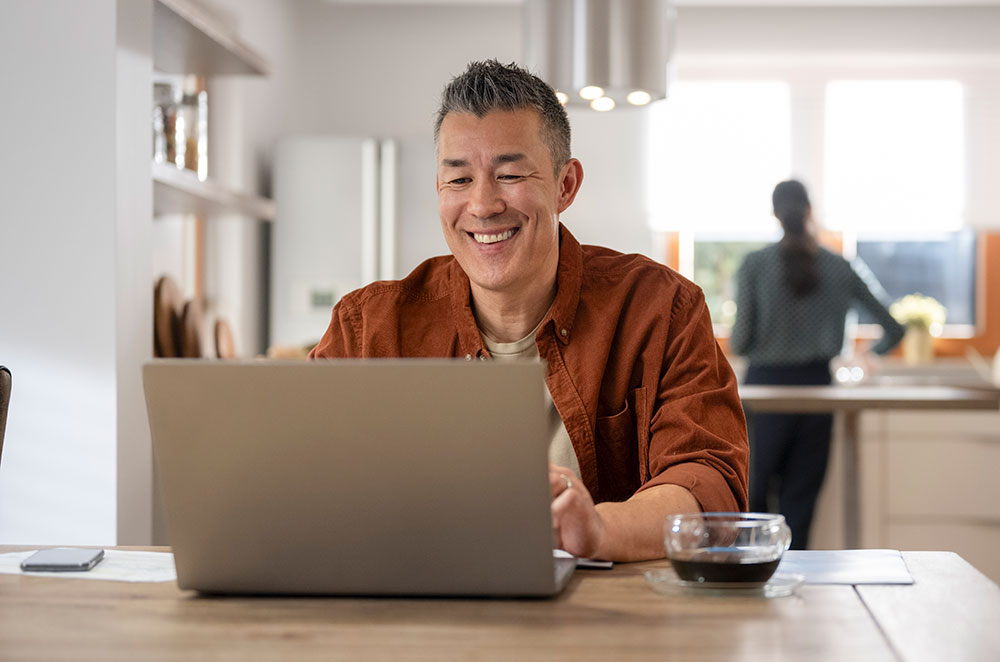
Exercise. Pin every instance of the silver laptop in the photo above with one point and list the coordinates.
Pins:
(356, 477)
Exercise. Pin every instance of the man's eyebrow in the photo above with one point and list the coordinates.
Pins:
(499, 158)
(508, 158)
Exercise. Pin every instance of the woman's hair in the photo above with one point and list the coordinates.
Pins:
(798, 246)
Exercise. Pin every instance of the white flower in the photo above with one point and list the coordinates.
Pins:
(919, 310)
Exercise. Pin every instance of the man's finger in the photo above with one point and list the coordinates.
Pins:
(559, 482)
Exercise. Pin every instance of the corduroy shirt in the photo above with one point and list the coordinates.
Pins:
(646, 394)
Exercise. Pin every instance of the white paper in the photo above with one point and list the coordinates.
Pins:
(117, 565)
(847, 566)
(582, 562)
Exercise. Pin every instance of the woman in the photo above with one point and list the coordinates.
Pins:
(792, 302)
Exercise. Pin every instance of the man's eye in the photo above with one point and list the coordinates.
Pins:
(510, 177)
(459, 181)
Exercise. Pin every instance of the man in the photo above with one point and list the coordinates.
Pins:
(645, 414)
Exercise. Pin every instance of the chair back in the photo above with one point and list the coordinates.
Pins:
(5, 382)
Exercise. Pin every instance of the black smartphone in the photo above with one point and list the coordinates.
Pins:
(62, 559)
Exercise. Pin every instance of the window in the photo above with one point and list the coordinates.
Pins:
(716, 261)
(942, 266)
(721, 148)
(893, 182)
(894, 156)
(895, 185)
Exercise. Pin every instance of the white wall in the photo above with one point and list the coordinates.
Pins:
(133, 273)
(379, 70)
(854, 31)
(612, 206)
(70, 326)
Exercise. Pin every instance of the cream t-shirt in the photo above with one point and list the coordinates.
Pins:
(560, 447)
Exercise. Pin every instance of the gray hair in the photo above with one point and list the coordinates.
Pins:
(489, 86)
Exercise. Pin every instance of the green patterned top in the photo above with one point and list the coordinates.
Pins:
(774, 327)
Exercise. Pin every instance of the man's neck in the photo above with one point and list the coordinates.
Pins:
(508, 317)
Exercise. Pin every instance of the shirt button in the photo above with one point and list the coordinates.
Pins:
(482, 358)
(564, 333)
(468, 357)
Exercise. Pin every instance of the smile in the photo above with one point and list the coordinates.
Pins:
(494, 238)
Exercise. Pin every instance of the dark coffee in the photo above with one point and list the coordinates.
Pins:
(699, 571)
(723, 566)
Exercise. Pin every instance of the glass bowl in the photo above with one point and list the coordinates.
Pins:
(726, 547)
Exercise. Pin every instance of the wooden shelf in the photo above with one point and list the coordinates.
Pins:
(177, 191)
(190, 39)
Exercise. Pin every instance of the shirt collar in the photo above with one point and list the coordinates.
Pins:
(569, 279)
(469, 340)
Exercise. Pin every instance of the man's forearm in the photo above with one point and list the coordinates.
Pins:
(633, 529)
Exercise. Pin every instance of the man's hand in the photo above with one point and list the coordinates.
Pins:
(628, 531)
(576, 526)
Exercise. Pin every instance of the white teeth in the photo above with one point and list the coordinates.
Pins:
(493, 238)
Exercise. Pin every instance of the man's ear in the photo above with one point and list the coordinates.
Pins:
(437, 183)
(570, 179)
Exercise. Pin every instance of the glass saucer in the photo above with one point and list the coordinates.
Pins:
(666, 582)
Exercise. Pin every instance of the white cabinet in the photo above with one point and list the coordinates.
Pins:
(928, 481)
(941, 490)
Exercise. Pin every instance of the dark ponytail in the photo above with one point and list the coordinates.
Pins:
(798, 247)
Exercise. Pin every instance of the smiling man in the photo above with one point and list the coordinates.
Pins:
(643, 407)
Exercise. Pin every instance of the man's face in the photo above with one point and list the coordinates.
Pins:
(499, 199)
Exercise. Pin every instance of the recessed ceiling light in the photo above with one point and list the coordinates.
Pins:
(639, 97)
(602, 104)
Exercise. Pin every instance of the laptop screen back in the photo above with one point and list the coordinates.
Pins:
(404, 477)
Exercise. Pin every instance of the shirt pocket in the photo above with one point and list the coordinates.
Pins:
(622, 448)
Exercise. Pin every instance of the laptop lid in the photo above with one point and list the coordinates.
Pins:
(364, 477)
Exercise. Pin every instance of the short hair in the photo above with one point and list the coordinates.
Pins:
(490, 86)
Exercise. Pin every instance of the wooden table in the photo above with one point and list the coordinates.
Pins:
(950, 613)
(848, 402)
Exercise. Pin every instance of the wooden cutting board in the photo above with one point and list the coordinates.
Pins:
(167, 303)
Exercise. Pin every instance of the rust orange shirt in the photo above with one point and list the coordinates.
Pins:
(644, 390)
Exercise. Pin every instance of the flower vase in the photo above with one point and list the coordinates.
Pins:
(918, 345)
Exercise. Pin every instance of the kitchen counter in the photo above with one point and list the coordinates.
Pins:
(847, 402)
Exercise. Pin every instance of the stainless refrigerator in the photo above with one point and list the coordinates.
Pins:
(351, 210)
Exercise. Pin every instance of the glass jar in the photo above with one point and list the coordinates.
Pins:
(166, 97)
(192, 127)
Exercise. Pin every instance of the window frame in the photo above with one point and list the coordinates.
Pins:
(948, 331)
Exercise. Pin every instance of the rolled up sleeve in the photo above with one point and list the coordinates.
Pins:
(698, 434)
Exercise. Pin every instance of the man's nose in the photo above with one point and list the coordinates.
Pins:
(485, 199)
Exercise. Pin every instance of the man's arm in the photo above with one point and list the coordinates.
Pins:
(341, 339)
(628, 531)
(697, 450)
